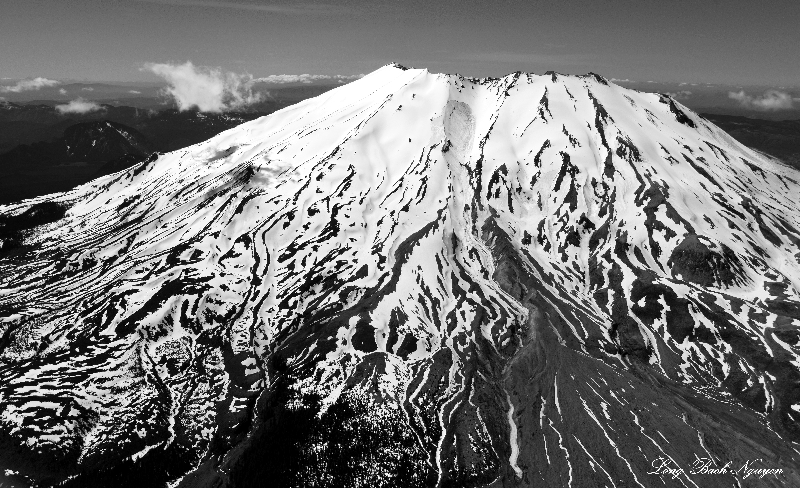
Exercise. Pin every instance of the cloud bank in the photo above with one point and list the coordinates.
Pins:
(78, 106)
(771, 100)
(306, 78)
(208, 89)
(29, 85)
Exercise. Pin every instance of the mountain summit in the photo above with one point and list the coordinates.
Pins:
(414, 279)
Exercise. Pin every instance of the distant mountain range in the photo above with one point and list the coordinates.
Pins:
(86, 141)
(33, 132)
(168, 128)
(46, 152)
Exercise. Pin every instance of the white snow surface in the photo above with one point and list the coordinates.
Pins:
(374, 193)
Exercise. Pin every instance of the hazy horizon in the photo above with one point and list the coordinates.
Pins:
(733, 42)
(223, 54)
(207, 89)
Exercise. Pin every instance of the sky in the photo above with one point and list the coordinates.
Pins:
(737, 42)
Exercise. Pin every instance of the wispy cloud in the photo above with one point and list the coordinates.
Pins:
(78, 106)
(87, 88)
(306, 78)
(208, 89)
(771, 100)
(29, 85)
(617, 80)
(62, 91)
(292, 9)
(681, 95)
(135, 92)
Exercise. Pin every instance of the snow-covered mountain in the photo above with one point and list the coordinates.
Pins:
(415, 279)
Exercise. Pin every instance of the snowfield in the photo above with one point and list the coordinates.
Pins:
(415, 279)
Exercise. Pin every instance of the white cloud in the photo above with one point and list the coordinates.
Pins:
(208, 89)
(29, 85)
(617, 80)
(78, 106)
(62, 91)
(305, 78)
(681, 95)
(771, 100)
(134, 92)
(87, 88)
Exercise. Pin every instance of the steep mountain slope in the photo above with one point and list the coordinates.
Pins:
(414, 280)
